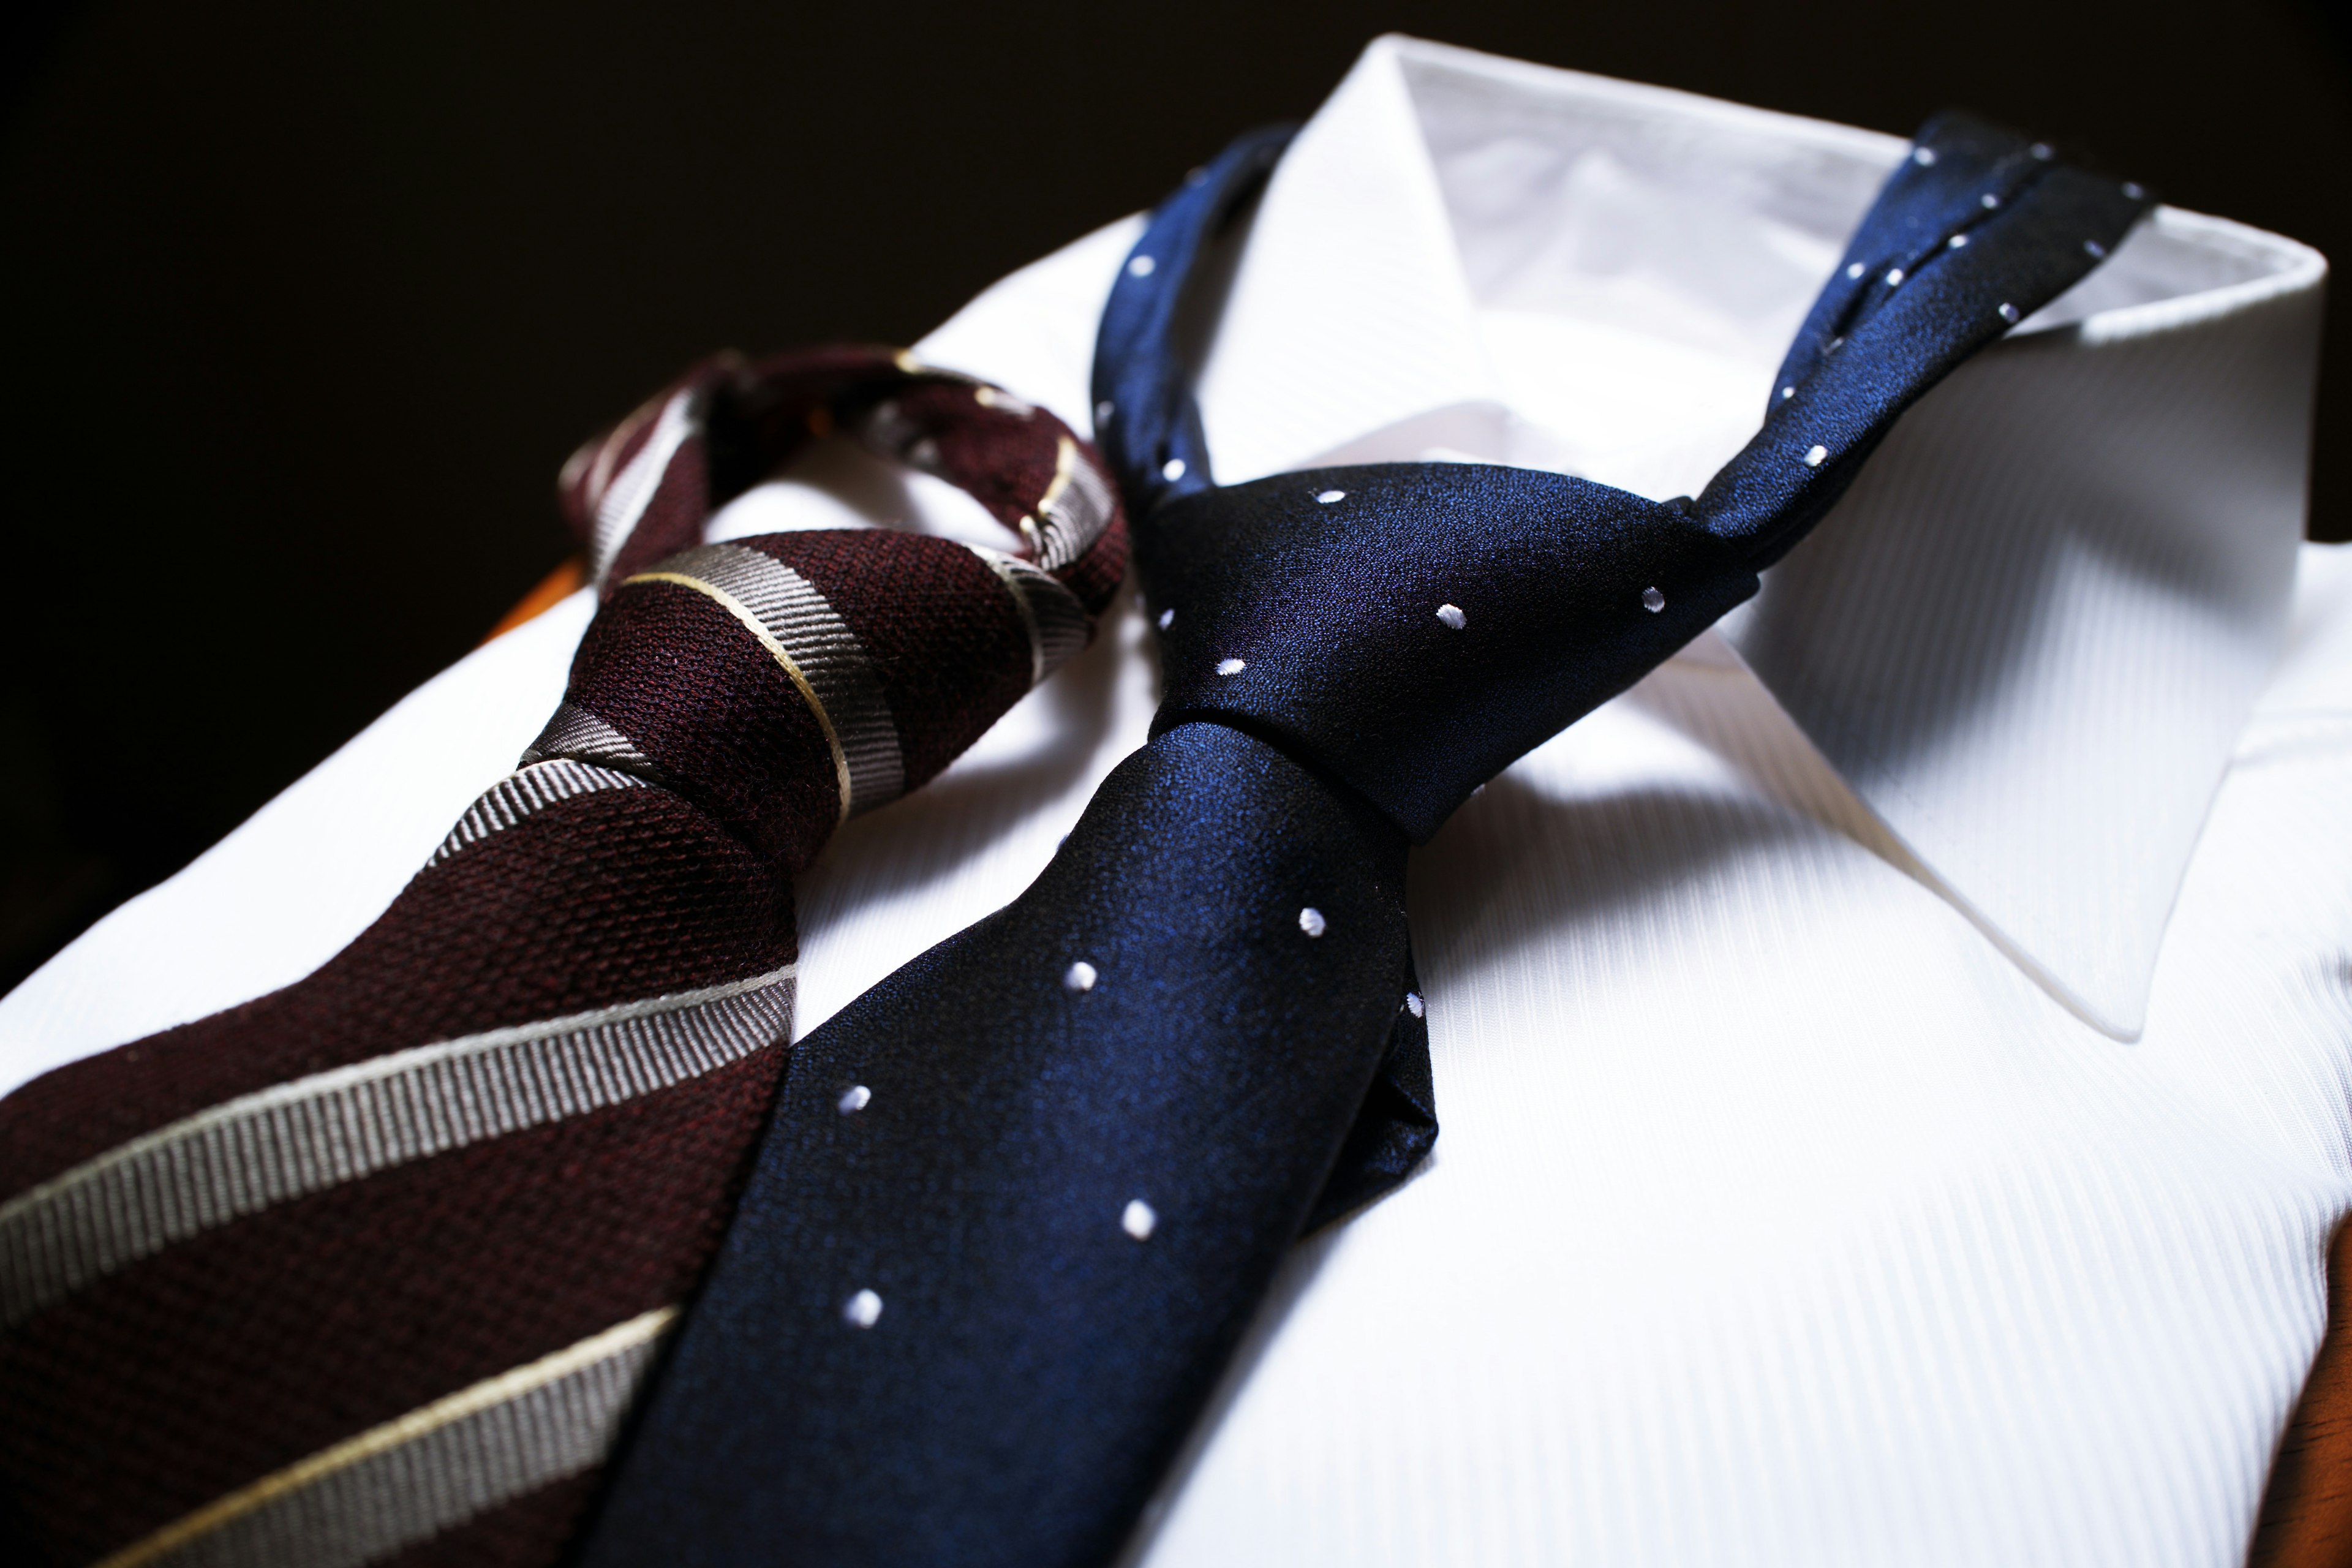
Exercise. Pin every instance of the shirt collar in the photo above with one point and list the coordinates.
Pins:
(1467, 257)
(1519, 263)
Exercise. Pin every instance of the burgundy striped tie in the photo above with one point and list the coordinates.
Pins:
(368, 1269)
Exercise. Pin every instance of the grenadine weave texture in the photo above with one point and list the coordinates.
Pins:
(368, 1269)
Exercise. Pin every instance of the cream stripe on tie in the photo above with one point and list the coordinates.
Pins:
(532, 788)
(419, 1474)
(261, 1149)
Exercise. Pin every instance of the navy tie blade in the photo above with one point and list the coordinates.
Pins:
(1975, 231)
(1019, 1200)
(1145, 419)
(1018, 1203)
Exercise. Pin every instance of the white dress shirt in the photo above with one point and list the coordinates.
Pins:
(1895, 1063)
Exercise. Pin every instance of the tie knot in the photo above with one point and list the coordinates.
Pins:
(1412, 628)
(787, 681)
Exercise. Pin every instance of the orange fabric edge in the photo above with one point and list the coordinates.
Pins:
(550, 591)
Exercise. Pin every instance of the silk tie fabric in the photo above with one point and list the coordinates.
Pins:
(1019, 1201)
(368, 1269)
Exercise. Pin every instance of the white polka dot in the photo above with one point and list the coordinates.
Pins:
(1957, 242)
(2134, 191)
(1855, 269)
(1452, 615)
(1172, 469)
(1166, 619)
(1653, 600)
(1231, 667)
(1988, 201)
(1815, 459)
(1328, 497)
(862, 1310)
(2043, 152)
(1103, 411)
(1787, 393)
(1137, 1219)
(1414, 1005)
(1310, 921)
(2010, 313)
(1924, 156)
(1893, 276)
(1079, 976)
(2095, 250)
(857, 1097)
(1140, 266)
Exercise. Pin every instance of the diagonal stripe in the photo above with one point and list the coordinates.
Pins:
(837, 666)
(736, 607)
(801, 628)
(621, 507)
(527, 790)
(292, 1138)
(598, 459)
(1057, 623)
(419, 1474)
(1074, 511)
(581, 735)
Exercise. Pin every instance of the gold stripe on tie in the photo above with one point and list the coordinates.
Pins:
(742, 612)
(835, 673)
(1072, 514)
(269, 1523)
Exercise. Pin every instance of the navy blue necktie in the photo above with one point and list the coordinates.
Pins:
(1019, 1202)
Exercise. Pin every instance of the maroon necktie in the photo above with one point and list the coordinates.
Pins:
(367, 1270)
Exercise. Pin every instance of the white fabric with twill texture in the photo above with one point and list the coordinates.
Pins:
(1895, 1063)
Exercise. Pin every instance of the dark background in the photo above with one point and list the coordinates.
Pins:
(301, 306)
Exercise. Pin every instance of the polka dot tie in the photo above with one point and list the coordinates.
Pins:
(1019, 1202)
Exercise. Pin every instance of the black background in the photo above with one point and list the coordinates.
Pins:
(303, 305)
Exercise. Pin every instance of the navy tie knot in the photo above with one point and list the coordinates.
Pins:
(1410, 628)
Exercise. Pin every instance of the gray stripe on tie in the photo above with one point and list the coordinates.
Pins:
(622, 505)
(1057, 623)
(528, 790)
(1075, 511)
(581, 735)
(245, 1154)
(405, 1481)
(828, 654)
